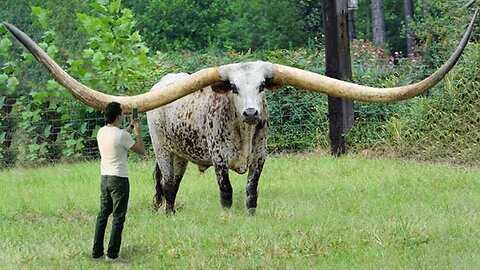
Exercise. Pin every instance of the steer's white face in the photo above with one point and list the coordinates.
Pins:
(248, 82)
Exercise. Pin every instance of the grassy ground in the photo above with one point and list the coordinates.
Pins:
(314, 212)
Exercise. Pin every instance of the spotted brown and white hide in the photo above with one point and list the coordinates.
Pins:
(224, 127)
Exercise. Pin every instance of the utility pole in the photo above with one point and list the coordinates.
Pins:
(338, 66)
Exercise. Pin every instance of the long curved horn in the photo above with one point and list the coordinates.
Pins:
(285, 75)
(98, 100)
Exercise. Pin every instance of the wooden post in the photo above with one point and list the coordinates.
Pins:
(338, 65)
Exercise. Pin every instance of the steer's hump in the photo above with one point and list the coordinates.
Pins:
(168, 80)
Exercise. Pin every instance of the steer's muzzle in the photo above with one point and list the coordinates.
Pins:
(251, 116)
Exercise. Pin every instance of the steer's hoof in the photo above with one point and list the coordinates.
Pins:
(226, 203)
(169, 210)
(251, 211)
(155, 207)
(226, 200)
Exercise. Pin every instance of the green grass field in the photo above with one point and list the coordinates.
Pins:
(313, 213)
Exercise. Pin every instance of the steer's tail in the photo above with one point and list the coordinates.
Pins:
(157, 176)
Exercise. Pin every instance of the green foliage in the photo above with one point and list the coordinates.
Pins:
(51, 124)
(435, 25)
(197, 25)
(180, 24)
(311, 14)
(115, 59)
(57, 14)
(261, 24)
(42, 15)
(8, 86)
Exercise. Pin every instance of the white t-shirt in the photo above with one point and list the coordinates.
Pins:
(113, 144)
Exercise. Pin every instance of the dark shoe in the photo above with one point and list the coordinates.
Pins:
(98, 258)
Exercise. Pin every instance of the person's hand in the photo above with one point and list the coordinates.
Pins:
(136, 126)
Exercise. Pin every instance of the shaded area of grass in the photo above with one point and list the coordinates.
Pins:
(313, 212)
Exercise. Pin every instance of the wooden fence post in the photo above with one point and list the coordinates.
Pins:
(338, 65)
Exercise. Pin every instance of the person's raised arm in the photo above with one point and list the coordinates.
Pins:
(139, 146)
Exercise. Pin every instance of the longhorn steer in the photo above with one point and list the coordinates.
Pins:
(225, 123)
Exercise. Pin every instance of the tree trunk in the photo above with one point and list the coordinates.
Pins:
(378, 22)
(408, 6)
(351, 25)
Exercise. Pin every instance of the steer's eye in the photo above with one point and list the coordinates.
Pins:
(261, 87)
(234, 88)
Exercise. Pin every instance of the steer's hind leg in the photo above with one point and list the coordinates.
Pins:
(172, 168)
(226, 190)
(159, 196)
(254, 173)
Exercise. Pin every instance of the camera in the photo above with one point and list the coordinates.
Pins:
(135, 113)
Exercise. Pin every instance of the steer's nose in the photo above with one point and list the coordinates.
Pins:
(250, 116)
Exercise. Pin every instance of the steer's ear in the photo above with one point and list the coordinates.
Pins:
(269, 84)
(221, 87)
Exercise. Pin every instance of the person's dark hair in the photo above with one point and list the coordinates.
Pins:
(112, 110)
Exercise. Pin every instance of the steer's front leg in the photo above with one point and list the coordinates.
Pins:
(226, 190)
(252, 183)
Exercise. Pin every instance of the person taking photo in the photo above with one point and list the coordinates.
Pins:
(113, 144)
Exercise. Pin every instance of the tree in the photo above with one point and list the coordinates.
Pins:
(352, 5)
(378, 22)
(408, 6)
